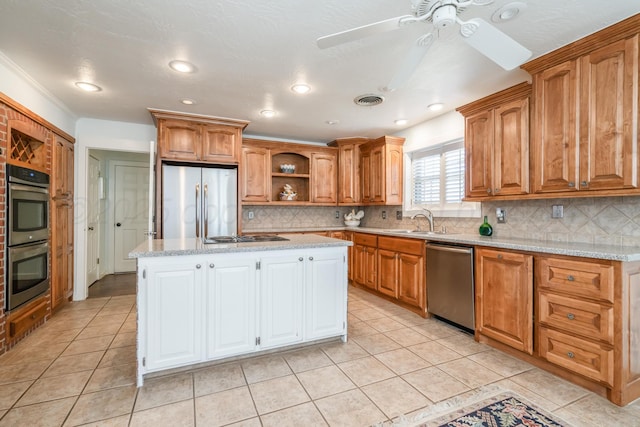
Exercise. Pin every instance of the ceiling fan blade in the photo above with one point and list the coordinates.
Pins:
(411, 62)
(493, 43)
(362, 32)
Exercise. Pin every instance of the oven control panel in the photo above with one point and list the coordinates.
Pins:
(20, 174)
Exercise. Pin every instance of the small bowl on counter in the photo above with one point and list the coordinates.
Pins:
(352, 222)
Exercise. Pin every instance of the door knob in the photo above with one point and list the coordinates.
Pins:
(118, 224)
(90, 228)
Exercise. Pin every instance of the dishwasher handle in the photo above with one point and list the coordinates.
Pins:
(450, 249)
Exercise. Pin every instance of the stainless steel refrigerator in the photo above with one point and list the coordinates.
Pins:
(199, 202)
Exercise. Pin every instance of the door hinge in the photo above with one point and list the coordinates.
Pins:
(344, 258)
(257, 340)
(258, 265)
(144, 361)
(344, 325)
(144, 274)
(98, 261)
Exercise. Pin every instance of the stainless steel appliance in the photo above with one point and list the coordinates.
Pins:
(27, 253)
(27, 272)
(199, 201)
(450, 288)
(27, 205)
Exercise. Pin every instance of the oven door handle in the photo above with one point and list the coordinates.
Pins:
(30, 188)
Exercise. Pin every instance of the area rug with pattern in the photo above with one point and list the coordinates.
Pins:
(504, 409)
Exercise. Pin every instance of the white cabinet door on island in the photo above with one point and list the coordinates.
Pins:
(199, 308)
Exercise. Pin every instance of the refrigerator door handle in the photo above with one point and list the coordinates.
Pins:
(206, 211)
(197, 209)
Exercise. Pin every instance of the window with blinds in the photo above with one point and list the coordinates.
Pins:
(437, 180)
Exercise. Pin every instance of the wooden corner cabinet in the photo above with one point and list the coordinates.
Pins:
(381, 162)
(314, 177)
(585, 102)
(497, 144)
(349, 193)
(504, 297)
(61, 222)
(197, 138)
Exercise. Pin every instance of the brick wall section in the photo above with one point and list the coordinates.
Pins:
(7, 113)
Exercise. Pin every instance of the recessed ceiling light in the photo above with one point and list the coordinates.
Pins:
(301, 88)
(436, 107)
(88, 87)
(182, 66)
(188, 101)
(401, 122)
(332, 122)
(508, 12)
(267, 113)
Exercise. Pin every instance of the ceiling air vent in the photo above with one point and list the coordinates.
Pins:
(368, 100)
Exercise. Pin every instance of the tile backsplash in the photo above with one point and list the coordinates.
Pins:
(605, 220)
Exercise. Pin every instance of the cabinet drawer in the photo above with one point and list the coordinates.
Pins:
(366, 239)
(586, 318)
(398, 244)
(580, 278)
(25, 320)
(580, 356)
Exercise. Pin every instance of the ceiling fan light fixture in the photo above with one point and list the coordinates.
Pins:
(436, 106)
(182, 66)
(508, 12)
(267, 113)
(88, 87)
(445, 16)
(301, 88)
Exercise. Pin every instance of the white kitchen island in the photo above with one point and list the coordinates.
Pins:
(203, 302)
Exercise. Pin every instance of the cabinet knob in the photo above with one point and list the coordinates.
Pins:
(300, 259)
(571, 316)
(118, 224)
(310, 258)
(497, 190)
(572, 184)
(489, 190)
(583, 183)
(198, 266)
(571, 355)
(571, 278)
(211, 265)
(499, 256)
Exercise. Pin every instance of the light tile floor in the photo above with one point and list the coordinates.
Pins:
(79, 369)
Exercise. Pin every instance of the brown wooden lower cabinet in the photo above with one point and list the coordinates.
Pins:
(25, 317)
(504, 297)
(393, 267)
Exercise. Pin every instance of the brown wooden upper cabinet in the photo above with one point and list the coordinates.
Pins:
(586, 112)
(349, 193)
(195, 138)
(497, 144)
(263, 177)
(381, 162)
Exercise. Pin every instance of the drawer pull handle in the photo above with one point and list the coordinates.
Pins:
(310, 258)
(571, 316)
(571, 355)
(212, 265)
(571, 278)
(198, 265)
(499, 256)
(300, 259)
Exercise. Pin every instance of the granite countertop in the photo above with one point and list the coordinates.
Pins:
(587, 250)
(194, 246)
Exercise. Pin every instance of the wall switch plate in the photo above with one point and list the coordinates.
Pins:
(384, 214)
(557, 211)
(250, 215)
(337, 214)
(399, 215)
(501, 215)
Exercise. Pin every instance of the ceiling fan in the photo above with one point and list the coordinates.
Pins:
(478, 33)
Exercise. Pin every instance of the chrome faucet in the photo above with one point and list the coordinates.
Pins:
(428, 217)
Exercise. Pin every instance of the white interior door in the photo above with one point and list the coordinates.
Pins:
(131, 213)
(93, 221)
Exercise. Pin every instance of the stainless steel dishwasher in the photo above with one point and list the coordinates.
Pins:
(450, 292)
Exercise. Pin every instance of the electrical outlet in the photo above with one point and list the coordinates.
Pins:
(337, 214)
(501, 215)
(384, 214)
(557, 211)
(250, 215)
(399, 215)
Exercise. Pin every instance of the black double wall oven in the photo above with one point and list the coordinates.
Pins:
(27, 235)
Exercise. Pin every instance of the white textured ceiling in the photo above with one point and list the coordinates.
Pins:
(249, 53)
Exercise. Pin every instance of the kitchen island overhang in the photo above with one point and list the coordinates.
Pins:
(201, 303)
